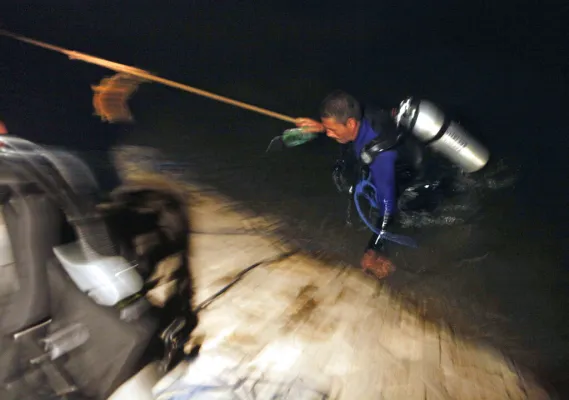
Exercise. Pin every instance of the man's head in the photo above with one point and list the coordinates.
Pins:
(341, 115)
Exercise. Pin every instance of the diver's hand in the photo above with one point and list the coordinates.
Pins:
(309, 125)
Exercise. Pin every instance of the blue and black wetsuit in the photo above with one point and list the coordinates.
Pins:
(382, 172)
(382, 169)
(376, 123)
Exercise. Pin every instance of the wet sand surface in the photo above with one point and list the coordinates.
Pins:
(276, 321)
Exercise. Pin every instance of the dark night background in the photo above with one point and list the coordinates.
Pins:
(501, 277)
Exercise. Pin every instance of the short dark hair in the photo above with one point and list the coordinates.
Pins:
(341, 106)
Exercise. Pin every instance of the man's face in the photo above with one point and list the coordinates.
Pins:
(341, 133)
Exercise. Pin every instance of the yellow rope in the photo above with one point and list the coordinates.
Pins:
(74, 55)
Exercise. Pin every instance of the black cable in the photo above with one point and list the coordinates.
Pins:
(231, 233)
(240, 275)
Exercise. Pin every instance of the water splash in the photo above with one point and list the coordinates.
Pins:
(462, 197)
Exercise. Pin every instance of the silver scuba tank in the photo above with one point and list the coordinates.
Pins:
(429, 124)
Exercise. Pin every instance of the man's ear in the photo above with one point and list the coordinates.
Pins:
(351, 123)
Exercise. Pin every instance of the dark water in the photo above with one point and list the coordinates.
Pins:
(493, 261)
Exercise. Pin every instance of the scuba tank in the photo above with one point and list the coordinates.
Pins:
(430, 125)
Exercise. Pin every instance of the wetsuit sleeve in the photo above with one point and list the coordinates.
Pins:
(383, 177)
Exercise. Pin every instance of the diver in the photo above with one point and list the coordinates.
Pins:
(346, 121)
(383, 160)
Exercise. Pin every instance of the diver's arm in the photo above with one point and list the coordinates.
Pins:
(383, 177)
(309, 125)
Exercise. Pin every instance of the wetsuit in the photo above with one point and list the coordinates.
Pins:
(382, 169)
(375, 123)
